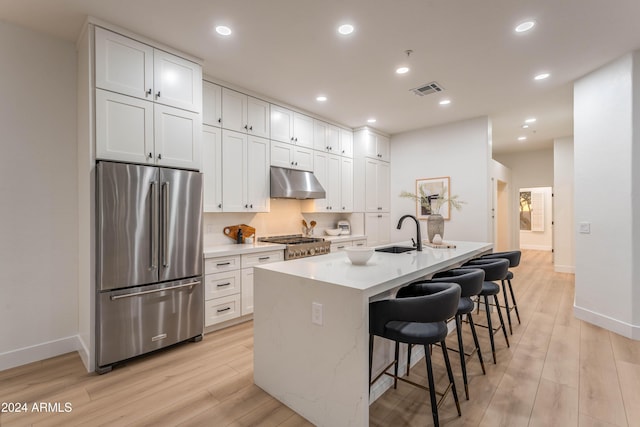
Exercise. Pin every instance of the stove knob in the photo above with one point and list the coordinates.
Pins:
(312, 251)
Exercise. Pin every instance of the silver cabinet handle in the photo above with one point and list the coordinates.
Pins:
(264, 258)
(220, 285)
(165, 224)
(154, 226)
(185, 285)
(222, 264)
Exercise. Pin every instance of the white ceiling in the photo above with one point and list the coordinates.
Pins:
(289, 50)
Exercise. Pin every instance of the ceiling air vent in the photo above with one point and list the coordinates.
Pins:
(427, 89)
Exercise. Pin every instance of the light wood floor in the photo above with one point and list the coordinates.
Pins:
(559, 371)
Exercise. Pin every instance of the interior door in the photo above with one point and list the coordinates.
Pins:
(180, 224)
(127, 225)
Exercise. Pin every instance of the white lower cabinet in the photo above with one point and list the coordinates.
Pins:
(377, 227)
(339, 247)
(229, 285)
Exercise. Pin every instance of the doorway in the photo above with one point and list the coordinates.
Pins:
(502, 217)
(536, 218)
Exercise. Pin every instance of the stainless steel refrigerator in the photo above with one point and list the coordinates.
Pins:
(149, 291)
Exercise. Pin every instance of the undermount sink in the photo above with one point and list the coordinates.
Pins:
(396, 249)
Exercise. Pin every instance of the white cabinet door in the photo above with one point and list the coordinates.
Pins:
(177, 82)
(346, 184)
(281, 124)
(212, 168)
(247, 291)
(177, 137)
(258, 187)
(320, 135)
(333, 139)
(124, 128)
(303, 158)
(383, 183)
(123, 65)
(382, 147)
(346, 143)
(303, 130)
(320, 169)
(211, 104)
(333, 188)
(258, 117)
(234, 159)
(234, 110)
(282, 154)
(377, 186)
(378, 228)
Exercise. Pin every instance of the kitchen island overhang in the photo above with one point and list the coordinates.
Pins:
(321, 370)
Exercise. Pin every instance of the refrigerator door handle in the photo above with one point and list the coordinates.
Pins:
(154, 226)
(185, 285)
(165, 223)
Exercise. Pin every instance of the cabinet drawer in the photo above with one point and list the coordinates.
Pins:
(261, 258)
(362, 242)
(218, 264)
(221, 284)
(337, 247)
(221, 309)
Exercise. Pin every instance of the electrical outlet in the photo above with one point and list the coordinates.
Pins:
(316, 313)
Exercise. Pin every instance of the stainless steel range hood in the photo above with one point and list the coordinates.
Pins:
(295, 184)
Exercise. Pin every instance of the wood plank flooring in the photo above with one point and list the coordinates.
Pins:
(559, 371)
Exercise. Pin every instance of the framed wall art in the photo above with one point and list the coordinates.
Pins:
(434, 197)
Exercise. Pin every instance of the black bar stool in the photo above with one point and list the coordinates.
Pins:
(514, 261)
(494, 269)
(417, 320)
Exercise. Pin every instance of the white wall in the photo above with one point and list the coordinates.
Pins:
(528, 169)
(38, 187)
(540, 240)
(564, 229)
(458, 150)
(605, 116)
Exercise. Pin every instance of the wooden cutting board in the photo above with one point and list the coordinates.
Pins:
(231, 231)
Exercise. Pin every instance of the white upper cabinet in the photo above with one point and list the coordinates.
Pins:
(242, 113)
(346, 183)
(377, 176)
(211, 104)
(291, 156)
(133, 68)
(368, 143)
(245, 173)
(123, 65)
(177, 82)
(302, 130)
(124, 128)
(326, 137)
(281, 124)
(212, 168)
(346, 143)
(177, 136)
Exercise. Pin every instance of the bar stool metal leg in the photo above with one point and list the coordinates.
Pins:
(513, 299)
(432, 387)
(490, 327)
(476, 342)
(443, 345)
(506, 305)
(463, 365)
(504, 329)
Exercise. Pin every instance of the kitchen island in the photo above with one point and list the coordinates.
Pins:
(311, 327)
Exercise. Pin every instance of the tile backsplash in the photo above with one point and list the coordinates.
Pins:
(284, 218)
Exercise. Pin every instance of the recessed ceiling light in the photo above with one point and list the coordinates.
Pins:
(402, 70)
(321, 98)
(530, 120)
(345, 29)
(522, 138)
(223, 30)
(525, 126)
(542, 76)
(445, 102)
(525, 26)
(371, 120)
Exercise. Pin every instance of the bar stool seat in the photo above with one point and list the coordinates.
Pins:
(514, 261)
(417, 320)
(494, 269)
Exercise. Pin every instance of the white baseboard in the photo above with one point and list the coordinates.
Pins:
(536, 247)
(35, 353)
(614, 325)
(564, 269)
(87, 360)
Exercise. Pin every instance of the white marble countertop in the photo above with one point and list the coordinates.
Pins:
(243, 248)
(383, 270)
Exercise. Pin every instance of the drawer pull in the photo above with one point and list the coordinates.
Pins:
(223, 284)
(222, 264)
(341, 247)
(359, 244)
(264, 258)
(224, 309)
